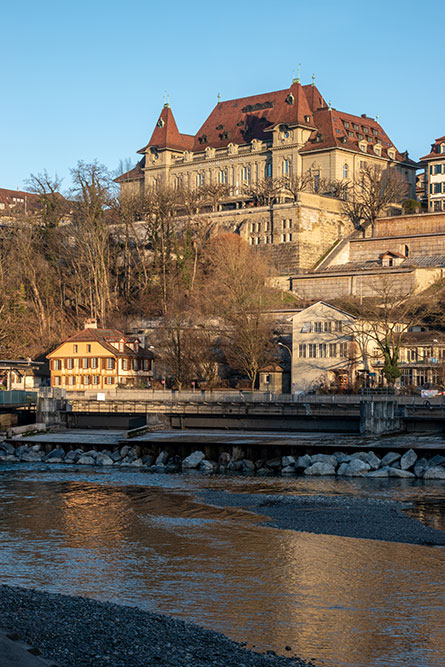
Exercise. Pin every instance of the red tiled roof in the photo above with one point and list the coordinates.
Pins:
(105, 337)
(134, 173)
(167, 135)
(434, 154)
(14, 198)
(335, 127)
(240, 120)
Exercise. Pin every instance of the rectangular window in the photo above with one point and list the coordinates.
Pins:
(318, 327)
(57, 364)
(338, 325)
(71, 380)
(135, 364)
(322, 350)
(306, 328)
(94, 362)
(437, 168)
(57, 380)
(437, 188)
(95, 379)
(145, 364)
(75, 348)
(87, 379)
(302, 350)
(109, 380)
(84, 362)
(328, 327)
(70, 364)
(110, 363)
(88, 348)
(125, 364)
(332, 349)
(312, 350)
(343, 349)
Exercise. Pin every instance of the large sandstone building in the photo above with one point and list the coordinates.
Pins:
(285, 133)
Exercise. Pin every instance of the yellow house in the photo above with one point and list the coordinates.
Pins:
(100, 360)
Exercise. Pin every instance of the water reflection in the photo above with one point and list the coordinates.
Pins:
(347, 602)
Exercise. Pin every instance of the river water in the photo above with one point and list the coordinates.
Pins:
(148, 540)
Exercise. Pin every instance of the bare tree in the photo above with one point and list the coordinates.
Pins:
(236, 290)
(372, 193)
(385, 319)
(53, 205)
(296, 183)
(264, 192)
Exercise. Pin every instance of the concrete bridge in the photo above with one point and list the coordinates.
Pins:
(374, 415)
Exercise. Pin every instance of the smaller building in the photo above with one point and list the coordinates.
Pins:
(434, 165)
(100, 360)
(333, 349)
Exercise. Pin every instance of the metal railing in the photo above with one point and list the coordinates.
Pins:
(18, 397)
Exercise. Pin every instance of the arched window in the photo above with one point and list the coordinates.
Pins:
(345, 171)
(406, 251)
(222, 176)
(268, 170)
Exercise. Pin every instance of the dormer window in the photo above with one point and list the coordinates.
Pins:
(346, 124)
(362, 147)
(375, 132)
(392, 154)
(377, 150)
(160, 122)
(290, 99)
(365, 130)
(442, 148)
(355, 127)
(307, 119)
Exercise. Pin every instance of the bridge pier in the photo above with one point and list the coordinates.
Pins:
(379, 417)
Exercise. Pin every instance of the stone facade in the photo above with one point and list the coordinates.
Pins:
(410, 250)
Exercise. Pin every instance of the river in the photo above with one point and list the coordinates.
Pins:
(148, 540)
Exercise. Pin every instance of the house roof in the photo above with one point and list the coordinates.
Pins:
(343, 130)
(18, 198)
(241, 120)
(106, 337)
(167, 135)
(132, 174)
(327, 305)
(434, 154)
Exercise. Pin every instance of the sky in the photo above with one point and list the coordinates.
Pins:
(86, 80)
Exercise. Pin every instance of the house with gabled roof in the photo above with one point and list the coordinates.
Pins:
(100, 360)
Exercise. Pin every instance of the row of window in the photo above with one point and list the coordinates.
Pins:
(437, 188)
(93, 363)
(322, 350)
(318, 327)
(256, 240)
(84, 380)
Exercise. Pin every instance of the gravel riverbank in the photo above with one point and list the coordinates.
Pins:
(366, 518)
(80, 632)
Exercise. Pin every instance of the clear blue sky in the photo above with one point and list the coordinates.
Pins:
(85, 80)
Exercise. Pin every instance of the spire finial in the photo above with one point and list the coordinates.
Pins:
(330, 105)
(377, 118)
(297, 78)
(219, 97)
(166, 100)
(313, 79)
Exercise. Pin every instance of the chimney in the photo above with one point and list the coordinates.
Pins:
(91, 323)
